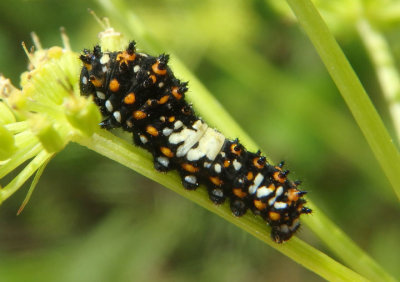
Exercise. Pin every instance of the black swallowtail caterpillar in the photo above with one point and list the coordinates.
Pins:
(140, 93)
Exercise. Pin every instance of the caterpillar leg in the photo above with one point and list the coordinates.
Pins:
(189, 181)
(238, 207)
(217, 195)
(109, 123)
(162, 163)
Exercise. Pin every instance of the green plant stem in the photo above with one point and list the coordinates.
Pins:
(351, 89)
(384, 63)
(343, 247)
(107, 144)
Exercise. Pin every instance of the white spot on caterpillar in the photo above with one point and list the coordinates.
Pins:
(161, 85)
(198, 124)
(278, 192)
(217, 168)
(167, 131)
(178, 124)
(104, 68)
(117, 116)
(218, 192)
(210, 145)
(84, 80)
(101, 95)
(236, 164)
(207, 165)
(136, 68)
(271, 201)
(143, 139)
(104, 59)
(280, 205)
(257, 181)
(263, 192)
(191, 179)
(109, 106)
(163, 161)
(189, 137)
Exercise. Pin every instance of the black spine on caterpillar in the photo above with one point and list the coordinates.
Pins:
(140, 93)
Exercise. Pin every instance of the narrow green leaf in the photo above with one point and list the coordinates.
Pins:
(35, 181)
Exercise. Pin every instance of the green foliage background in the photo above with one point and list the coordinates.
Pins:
(92, 220)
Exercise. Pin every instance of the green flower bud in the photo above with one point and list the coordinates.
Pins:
(7, 143)
(44, 130)
(6, 116)
(82, 114)
(112, 40)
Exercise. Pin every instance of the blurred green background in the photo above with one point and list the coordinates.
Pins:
(93, 220)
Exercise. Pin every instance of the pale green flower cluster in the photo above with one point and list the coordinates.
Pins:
(42, 117)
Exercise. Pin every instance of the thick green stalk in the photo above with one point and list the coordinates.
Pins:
(385, 66)
(351, 89)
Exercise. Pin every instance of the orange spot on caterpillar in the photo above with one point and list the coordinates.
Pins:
(163, 99)
(235, 149)
(95, 81)
(88, 66)
(238, 192)
(114, 85)
(259, 205)
(125, 57)
(215, 180)
(293, 195)
(278, 176)
(157, 70)
(190, 168)
(167, 152)
(272, 187)
(152, 130)
(274, 216)
(130, 98)
(139, 114)
(259, 162)
(175, 92)
(153, 78)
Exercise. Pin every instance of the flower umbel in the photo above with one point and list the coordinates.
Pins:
(42, 117)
